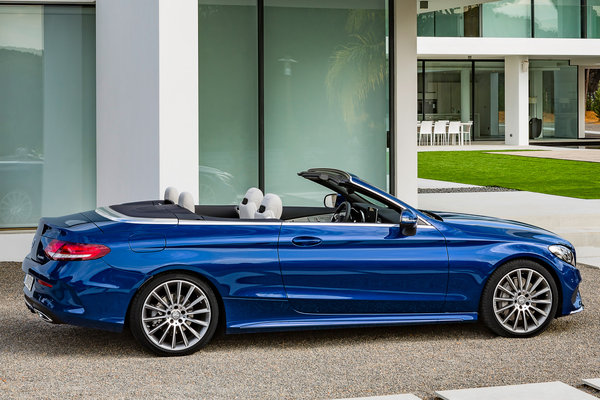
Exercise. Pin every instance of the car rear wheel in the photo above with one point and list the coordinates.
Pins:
(519, 300)
(174, 315)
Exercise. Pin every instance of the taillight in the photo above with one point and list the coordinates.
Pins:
(59, 250)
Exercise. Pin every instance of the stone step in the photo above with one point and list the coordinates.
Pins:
(407, 396)
(531, 391)
(595, 383)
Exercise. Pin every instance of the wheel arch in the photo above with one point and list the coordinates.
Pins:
(182, 270)
(541, 262)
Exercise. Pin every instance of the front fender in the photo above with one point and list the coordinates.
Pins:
(473, 262)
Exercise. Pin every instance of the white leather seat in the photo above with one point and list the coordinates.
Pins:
(171, 195)
(250, 203)
(270, 207)
(186, 200)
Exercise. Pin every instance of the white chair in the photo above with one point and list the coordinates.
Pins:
(439, 130)
(426, 129)
(454, 130)
(171, 195)
(270, 207)
(186, 200)
(466, 132)
(250, 203)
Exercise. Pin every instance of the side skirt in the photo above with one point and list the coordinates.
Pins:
(328, 321)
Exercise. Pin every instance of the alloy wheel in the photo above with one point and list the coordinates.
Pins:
(522, 300)
(176, 315)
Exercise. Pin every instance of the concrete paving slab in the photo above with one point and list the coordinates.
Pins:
(407, 396)
(423, 183)
(577, 220)
(595, 383)
(484, 147)
(531, 391)
(590, 155)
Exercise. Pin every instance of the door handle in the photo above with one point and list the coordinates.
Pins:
(306, 241)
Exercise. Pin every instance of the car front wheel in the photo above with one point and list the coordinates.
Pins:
(174, 315)
(519, 300)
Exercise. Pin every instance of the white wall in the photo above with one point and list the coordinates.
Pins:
(499, 47)
(405, 98)
(178, 101)
(147, 98)
(516, 99)
(127, 100)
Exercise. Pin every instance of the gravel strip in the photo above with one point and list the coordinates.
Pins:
(472, 189)
(39, 360)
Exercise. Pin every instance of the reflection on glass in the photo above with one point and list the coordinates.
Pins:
(228, 105)
(489, 101)
(452, 22)
(447, 93)
(506, 18)
(553, 98)
(593, 19)
(557, 18)
(47, 112)
(449, 23)
(426, 24)
(326, 84)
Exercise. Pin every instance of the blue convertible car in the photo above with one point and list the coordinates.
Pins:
(173, 271)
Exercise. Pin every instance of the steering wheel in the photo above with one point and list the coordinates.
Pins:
(342, 213)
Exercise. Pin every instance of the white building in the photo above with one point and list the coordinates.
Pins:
(111, 101)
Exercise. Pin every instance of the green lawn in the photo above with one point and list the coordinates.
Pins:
(563, 178)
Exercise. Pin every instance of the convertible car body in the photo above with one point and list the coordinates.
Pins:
(172, 273)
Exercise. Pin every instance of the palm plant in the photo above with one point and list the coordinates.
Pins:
(360, 66)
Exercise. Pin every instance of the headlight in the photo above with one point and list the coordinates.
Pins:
(562, 252)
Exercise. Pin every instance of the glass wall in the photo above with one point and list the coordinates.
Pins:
(463, 91)
(447, 94)
(228, 100)
(326, 86)
(488, 86)
(506, 18)
(452, 22)
(513, 18)
(553, 98)
(557, 18)
(47, 112)
(593, 18)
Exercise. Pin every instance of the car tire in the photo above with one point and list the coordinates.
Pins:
(174, 314)
(519, 300)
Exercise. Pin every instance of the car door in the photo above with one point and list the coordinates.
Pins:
(363, 268)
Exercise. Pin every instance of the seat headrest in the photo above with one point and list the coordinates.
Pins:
(270, 207)
(186, 200)
(250, 203)
(171, 195)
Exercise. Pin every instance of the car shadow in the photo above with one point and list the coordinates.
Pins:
(37, 337)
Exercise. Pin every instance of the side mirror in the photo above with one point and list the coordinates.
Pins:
(408, 222)
(330, 200)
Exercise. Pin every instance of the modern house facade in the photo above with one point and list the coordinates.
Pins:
(110, 101)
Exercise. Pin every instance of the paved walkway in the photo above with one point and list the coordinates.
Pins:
(530, 391)
(562, 154)
(577, 220)
(482, 147)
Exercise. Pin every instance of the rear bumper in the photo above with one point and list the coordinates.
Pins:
(37, 308)
(80, 294)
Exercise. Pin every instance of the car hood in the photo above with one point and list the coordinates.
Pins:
(480, 225)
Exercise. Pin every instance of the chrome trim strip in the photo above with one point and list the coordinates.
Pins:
(201, 222)
(339, 224)
(116, 216)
